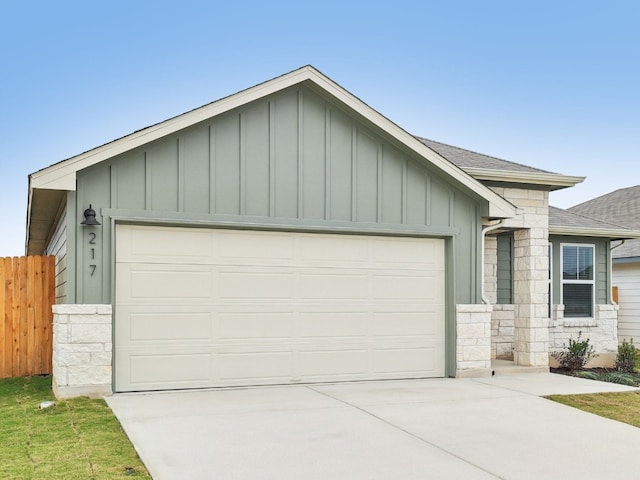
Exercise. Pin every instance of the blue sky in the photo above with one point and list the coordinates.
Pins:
(551, 84)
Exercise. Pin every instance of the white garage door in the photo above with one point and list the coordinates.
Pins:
(206, 308)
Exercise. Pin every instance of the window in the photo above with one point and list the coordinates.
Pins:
(577, 280)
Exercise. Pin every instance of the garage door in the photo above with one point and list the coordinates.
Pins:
(202, 307)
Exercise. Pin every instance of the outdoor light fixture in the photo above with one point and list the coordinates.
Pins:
(90, 217)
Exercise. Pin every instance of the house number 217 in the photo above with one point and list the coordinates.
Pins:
(92, 249)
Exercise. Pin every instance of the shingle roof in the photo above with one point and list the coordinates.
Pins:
(621, 207)
(564, 218)
(469, 159)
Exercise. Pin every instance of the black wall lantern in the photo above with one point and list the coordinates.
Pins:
(90, 217)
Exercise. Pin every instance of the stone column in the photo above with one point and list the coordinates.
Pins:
(473, 340)
(81, 350)
(530, 284)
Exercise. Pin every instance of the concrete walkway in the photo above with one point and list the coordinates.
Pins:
(493, 428)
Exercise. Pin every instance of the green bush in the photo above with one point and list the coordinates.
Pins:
(627, 357)
(588, 375)
(576, 355)
(622, 378)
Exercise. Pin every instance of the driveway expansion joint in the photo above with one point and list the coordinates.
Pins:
(396, 427)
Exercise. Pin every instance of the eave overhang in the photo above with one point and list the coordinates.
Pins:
(554, 181)
(611, 233)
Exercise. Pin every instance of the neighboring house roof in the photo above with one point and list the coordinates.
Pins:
(564, 222)
(61, 176)
(621, 207)
(488, 168)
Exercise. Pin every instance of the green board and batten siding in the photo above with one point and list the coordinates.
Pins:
(293, 160)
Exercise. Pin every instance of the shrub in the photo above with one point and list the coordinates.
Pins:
(588, 375)
(622, 378)
(576, 355)
(627, 356)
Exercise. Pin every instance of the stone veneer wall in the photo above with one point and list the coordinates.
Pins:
(473, 340)
(491, 269)
(503, 320)
(530, 274)
(602, 332)
(82, 346)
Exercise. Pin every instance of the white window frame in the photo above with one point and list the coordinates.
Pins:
(591, 282)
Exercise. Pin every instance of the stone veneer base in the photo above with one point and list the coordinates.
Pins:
(91, 391)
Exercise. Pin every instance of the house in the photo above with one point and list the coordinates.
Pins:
(622, 207)
(291, 234)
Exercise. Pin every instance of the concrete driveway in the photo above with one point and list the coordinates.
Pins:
(414, 429)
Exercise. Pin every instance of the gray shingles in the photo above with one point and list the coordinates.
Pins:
(564, 218)
(621, 207)
(463, 159)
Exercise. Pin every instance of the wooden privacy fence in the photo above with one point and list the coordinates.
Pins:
(27, 292)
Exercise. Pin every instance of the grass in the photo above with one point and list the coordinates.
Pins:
(74, 439)
(622, 406)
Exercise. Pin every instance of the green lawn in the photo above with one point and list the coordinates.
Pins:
(624, 406)
(74, 439)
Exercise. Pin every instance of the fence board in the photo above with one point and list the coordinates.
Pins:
(26, 297)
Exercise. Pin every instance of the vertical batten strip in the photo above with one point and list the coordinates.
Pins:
(113, 187)
(300, 155)
(147, 183)
(212, 169)
(405, 193)
(380, 192)
(427, 200)
(327, 163)
(452, 200)
(181, 179)
(272, 157)
(354, 173)
(243, 163)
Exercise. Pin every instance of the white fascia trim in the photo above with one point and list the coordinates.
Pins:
(533, 178)
(594, 232)
(61, 176)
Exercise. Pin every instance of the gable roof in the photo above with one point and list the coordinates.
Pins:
(621, 206)
(564, 222)
(62, 175)
(488, 168)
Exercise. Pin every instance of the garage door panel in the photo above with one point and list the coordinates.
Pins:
(276, 307)
(250, 284)
(407, 324)
(169, 369)
(335, 250)
(256, 325)
(403, 287)
(164, 245)
(255, 367)
(162, 282)
(410, 361)
(169, 326)
(415, 253)
(261, 247)
(333, 286)
(325, 365)
(333, 324)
